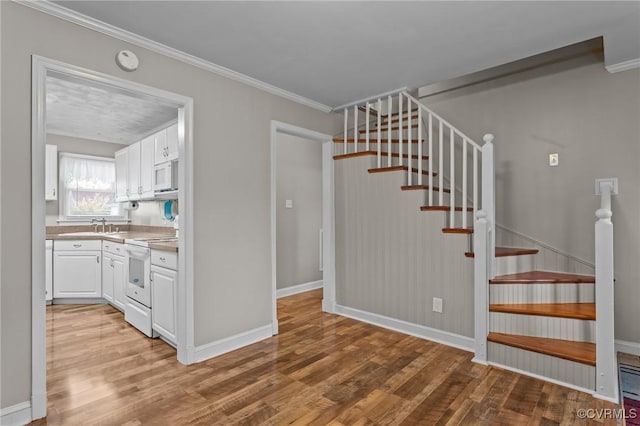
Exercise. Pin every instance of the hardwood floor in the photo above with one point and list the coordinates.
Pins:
(321, 369)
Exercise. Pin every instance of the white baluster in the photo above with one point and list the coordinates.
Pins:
(475, 181)
(344, 140)
(440, 163)
(356, 132)
(464, 183)
(419, 145)
(400, 132)
(452, 178)
(379, 144)
(409, 162)
(389, 120)
(367, 125)
(430, 168)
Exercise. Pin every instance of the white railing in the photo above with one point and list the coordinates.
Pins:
(408, 122)
(606, 362)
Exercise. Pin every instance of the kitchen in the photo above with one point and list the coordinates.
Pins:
(111, 190)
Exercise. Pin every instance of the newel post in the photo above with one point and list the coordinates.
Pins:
(481, 241)
(488, 197)
(606, 359)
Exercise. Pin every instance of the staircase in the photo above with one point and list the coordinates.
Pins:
(539, 323)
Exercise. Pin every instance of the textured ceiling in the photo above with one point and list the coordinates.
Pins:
(89, 111)
(339, 52)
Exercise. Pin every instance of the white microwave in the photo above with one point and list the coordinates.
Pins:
(165, 176)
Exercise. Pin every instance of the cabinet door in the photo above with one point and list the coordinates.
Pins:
(119, 281)
(172, 142)
(122, 175)
(160, 153)
(49, 271)
(77, 274)
(147, 146)
(107, 277)
(134, 171)
(51, 173)
(163, 301)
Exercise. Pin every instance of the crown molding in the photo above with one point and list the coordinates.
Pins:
(69, 15)
(624, 66)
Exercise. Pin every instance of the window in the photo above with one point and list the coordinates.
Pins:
(88, 188)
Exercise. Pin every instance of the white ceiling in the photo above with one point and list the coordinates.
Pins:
(338, 52)
(89, 111)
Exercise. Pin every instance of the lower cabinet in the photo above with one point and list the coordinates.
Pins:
(164, 283)
(114, 274)
(77, 269)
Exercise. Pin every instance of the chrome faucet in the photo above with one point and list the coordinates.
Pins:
(103, 221)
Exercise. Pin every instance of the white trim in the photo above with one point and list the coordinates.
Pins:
(544, 378)
(19, 414)
(296, 289)
(328, 214)
(632, 348)
(623, 66)
(185, 321)
(231, 343)
(439, 336)
(370, 98)
(69, 15)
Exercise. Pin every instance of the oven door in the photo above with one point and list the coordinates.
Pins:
(138, 284)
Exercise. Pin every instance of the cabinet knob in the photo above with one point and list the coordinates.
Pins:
(97, 259)
(77, 245)
(163, 259)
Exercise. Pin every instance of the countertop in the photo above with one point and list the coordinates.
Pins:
(117, 237)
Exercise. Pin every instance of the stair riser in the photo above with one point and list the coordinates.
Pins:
(542, 293)
(513, 264)
(541, 326)
(574, 373)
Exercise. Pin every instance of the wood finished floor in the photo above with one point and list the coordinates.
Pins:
(321, 369)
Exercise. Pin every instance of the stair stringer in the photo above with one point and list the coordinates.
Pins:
(392, 259)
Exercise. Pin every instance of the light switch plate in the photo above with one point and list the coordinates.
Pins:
(288, 204)
(437, 305)
(553, 159)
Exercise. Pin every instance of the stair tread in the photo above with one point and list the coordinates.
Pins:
(443, 208)
(423, 187)
(457, 230)
(373, 152)
(398, 168)
(533, 277)
(582, 352)
(372, 140)
(386, 129)
(583, 311)
(509, 251)
(404, 118)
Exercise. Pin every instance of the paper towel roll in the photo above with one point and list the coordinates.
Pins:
(131, 205)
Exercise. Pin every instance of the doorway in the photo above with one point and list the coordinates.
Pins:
(325, 238)
(42, 70)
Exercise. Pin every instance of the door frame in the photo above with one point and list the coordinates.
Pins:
(328, 215)
(40, 68)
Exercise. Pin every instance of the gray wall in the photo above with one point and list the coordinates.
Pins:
(298, 178)
(391, 258)
(592, 119)
(76, 146)
(231, 170)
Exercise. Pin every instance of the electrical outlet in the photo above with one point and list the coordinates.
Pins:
(437, 305)
(553, 160)
(288, 204)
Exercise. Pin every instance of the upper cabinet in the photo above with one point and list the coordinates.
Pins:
(146, 167)
(122, 175)
(134, 172)
(166, 144)
(51, 173)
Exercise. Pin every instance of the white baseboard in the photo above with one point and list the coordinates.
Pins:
(424, 332)
(632, 348)
(546, 379)
(624, 66)
(300, 288)
(19, 414)
(231, 343)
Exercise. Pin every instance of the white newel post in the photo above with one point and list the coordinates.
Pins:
(481, 241)
(488, 198)
(606, 374)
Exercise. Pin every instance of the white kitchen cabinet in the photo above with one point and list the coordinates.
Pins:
(166, 144)
(164, 285)
(49, 271)
(147, 149)
(122, 175)
(77, 269)
(107, 277)
(120, 268)
(133, 175)
(114, 273)
(51, 173)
